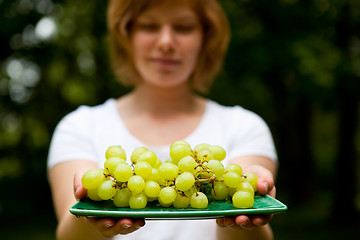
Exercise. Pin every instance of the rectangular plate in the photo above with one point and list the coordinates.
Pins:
(153, 211)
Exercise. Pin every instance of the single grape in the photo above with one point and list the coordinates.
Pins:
(218, 152)
(231, 191)
(198, 200)
(155, 176)
(157, 164)
(204, 155)
(151, 199)
(148, 156)
(181, 201)
(187, 164)
(169, 160)
(136, 184)
(252, 179)
(168, 171)
(234, 168)
(121, 198)
(205, 173)
(92, 178)
(143, 169)
(137, 201)
(190, 192)
(217, 167)
(232, 179)
(220, 191)
(111, 163)
(93, 194)
(243, 199)
(164, 204)
(136, 153)
(179, 151)
(184, 181)
(200, 147)
(123, 172)
(115, 151)
(180, 142)
(107, 190)
(167, 195)
(245, 186)
(152, 189)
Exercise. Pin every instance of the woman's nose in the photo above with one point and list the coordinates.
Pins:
(166, 39)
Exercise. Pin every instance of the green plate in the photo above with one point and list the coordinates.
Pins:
(153, 211)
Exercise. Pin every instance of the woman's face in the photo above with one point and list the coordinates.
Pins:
(166, 41)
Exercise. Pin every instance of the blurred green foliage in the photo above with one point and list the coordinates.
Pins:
(296, 63)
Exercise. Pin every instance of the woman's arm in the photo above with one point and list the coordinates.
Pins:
(238, 227)
(61, 178)
(65, 183)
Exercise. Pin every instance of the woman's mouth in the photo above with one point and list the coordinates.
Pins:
(165, 63)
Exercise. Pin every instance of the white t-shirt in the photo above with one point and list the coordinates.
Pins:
(87, 132)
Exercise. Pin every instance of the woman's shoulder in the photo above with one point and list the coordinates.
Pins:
(233, 112)
(85, 116)
(86, 111)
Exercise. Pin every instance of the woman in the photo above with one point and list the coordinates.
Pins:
(167, 50)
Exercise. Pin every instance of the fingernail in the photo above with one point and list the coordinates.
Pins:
(266, 186)
(126, 226)
(243, 225)
(230, 225)
(108, 225)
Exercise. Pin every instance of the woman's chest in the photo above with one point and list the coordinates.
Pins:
(160, 131)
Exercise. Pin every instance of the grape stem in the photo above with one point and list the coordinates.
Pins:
(169, 183)
(108, 174)
(210, 179)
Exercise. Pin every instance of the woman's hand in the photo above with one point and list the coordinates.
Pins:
(265, 185)
(108, 227)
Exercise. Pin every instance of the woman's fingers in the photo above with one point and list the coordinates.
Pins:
(265, 185)
(220, 222)
(244, 221)
(109, 227)
(235, 223)
(101, 224)
(260, 220)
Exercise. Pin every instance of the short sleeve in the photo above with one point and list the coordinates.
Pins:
(249, 134)
(71, 138)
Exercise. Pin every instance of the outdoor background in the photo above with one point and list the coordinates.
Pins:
(294, 62)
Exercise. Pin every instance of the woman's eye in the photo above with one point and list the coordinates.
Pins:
(149, 27)
(184, 28)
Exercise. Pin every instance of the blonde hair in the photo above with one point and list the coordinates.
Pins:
(122, 14)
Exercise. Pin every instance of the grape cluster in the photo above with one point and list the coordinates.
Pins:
(190, 177)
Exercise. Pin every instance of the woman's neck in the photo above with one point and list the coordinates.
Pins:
(161, 116)
(162, 102)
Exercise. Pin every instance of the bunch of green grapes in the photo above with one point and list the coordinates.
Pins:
(190, 177)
